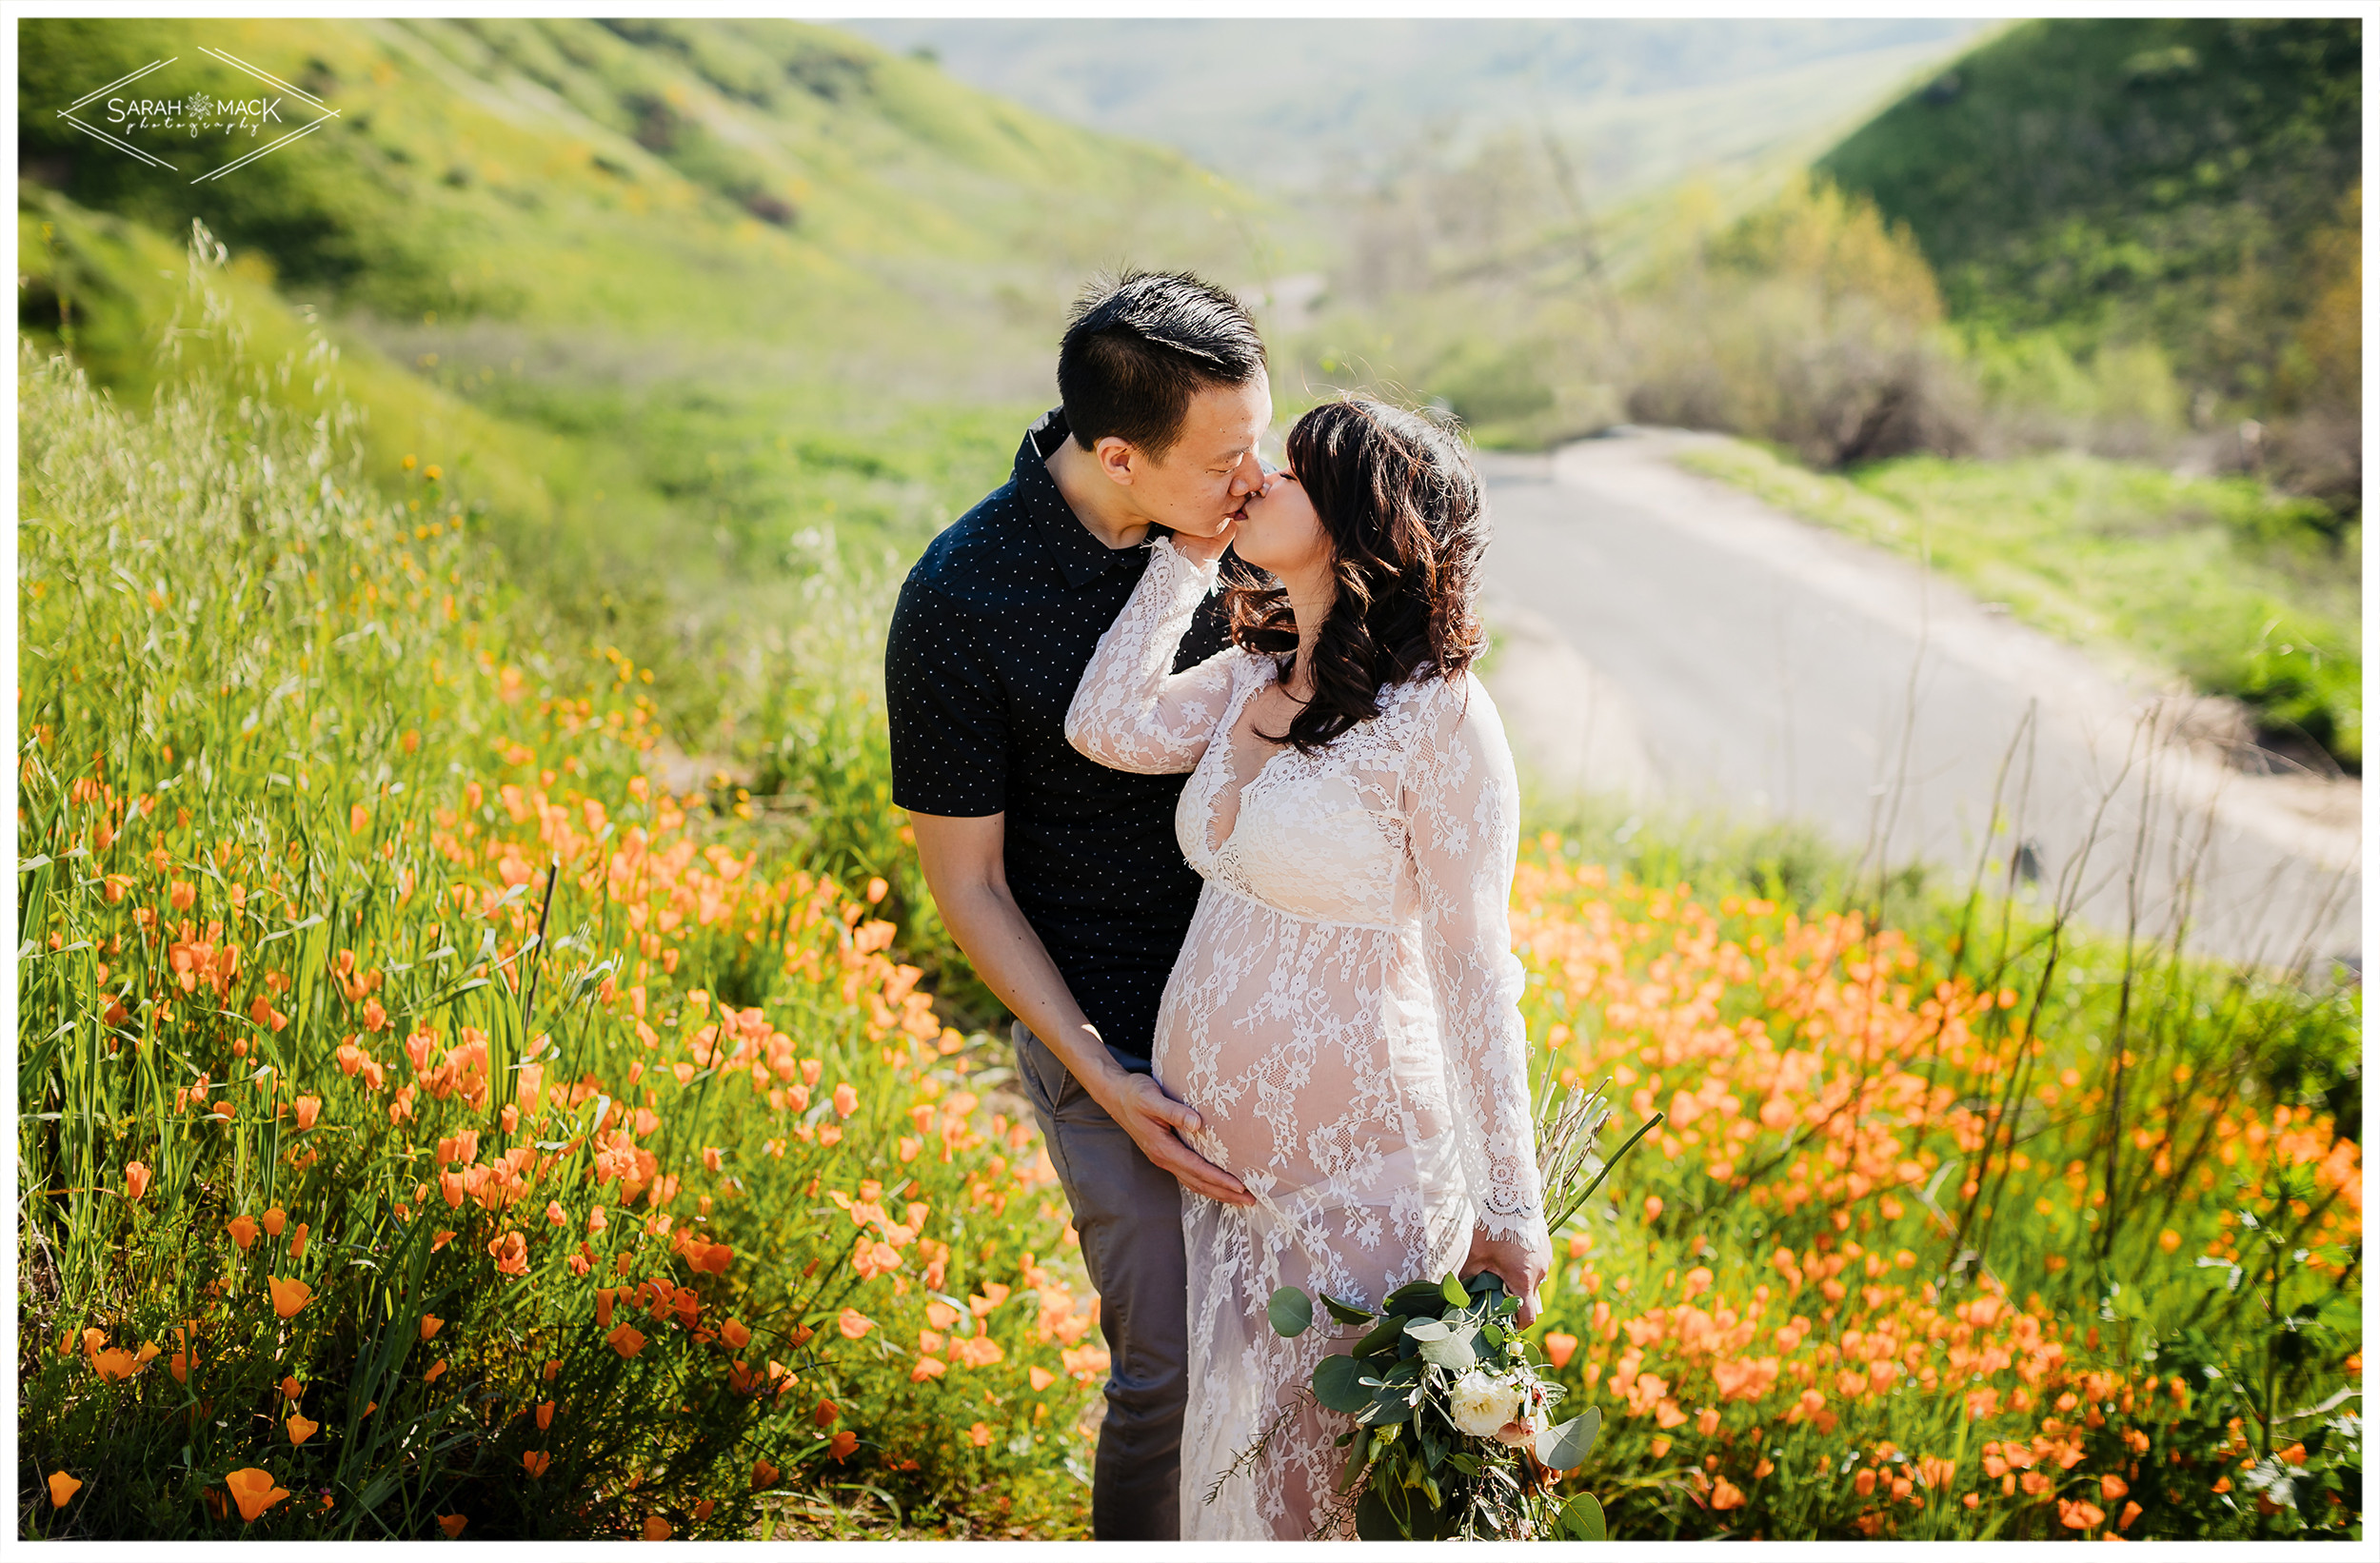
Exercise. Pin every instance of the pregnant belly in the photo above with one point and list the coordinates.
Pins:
(1309, 1053)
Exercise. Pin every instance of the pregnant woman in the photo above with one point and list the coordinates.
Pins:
(1343, 1016)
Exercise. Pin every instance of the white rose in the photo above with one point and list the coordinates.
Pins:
(1480, 1405)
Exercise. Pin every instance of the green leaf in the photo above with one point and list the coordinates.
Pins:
(1490, 1334)
(1347, 1313)
(1455, 1293)
(1427, 1329)
(1581, 1519)
(1291, 1312)
(1454, 1352)
(1564, 1447)
(1388, 1408)
(1373, 1522)
(1336, 1384)
(1383, 1337)
(1416, 1301)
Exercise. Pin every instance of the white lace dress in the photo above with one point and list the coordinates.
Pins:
(1343, 1016)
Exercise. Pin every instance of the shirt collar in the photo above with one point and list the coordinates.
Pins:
(1083, 557)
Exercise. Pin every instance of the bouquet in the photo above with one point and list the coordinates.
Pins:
(1452, 1435)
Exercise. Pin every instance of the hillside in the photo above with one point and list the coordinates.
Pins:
(645, 291)
(2181, 182)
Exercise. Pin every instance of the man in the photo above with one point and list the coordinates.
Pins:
(1060, 878)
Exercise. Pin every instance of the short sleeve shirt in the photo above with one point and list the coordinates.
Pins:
(992, 631)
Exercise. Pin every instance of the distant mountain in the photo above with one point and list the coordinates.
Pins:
(1285, 105)
(2190, 182)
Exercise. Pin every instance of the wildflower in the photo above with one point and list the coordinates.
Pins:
(545, 1415)
(535, 1461)
(511, 1253)
(2132, 1512)
(441, 1240)
(1725, 1495)
(135, 1180)
(846, 1100)
(2076, 1515)
(735, 1335)
(555, 1214)
(431, 1324)
(853, 1323)
(290, 1388)
(1559, 1348)
(62, 1487)
(308, 1110)
(2112, 1487)
(297, 1241)
(656, 1528)
(435, 1369)
(978, 1435)
(243, 1231)
(1652, 1207)
(289, 1296)
(626, 1340)
(928, 1367)
(275, 1219)
(252, 1489)
(301, 1427)
(451, 1524)
(764, 1473)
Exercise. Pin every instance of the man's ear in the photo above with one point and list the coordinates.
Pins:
(1118, 458)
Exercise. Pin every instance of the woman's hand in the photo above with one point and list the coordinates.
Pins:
(1523, 1265)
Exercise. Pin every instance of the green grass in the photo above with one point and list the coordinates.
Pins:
(2163, 181)
(2245, 592)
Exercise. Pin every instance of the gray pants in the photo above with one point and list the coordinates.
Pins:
(1128, 1213)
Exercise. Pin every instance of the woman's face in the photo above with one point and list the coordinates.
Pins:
(1279, 533)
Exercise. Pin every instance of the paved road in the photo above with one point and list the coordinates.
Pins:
(1744, 660)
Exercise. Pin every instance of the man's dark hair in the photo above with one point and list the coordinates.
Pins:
(1138, 349)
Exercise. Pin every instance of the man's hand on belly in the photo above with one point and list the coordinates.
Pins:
(1156, 1122)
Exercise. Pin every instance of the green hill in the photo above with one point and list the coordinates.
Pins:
(2179, 182)
(669, 301)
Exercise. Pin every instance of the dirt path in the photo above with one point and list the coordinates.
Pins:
(1665, 635)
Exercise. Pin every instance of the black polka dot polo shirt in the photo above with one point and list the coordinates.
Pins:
(994, 625)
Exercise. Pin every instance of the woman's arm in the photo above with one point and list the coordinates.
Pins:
(1130, 712)
(1464, 835)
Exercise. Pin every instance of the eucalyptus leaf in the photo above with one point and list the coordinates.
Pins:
(1581, 1519)
(1564, 1447)
(1337, 1386)
(1427, 1329)
(1381, 1337)
(1452, 1352)
(1291, 1313)
(1347, 1313)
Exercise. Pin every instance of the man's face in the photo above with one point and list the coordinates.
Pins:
(1211, 467)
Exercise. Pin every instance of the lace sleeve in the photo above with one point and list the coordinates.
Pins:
(1464, 835)
(1129, 712)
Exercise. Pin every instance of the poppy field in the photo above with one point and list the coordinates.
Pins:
(429, 1126)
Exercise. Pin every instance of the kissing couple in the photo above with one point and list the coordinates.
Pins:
(1233, 841)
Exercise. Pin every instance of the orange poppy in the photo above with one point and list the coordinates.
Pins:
(1560, 1349)
(431, 1324)
(451, 1524)
(135, 1180)
(62, 1487)
(735, 1335)
(302, 1427)
(1041, 1378)
(431, 1376)
(764, 1473)
(297, 1241)
(252, 1489)
(843, 1443)
(289, 1296)
(826, 1413)
(243, 1231)
(545, 1415)
(626, 1340)
(656, 1528)
(853, 1323)
(274, 1219)
(980, 1436)
(290, 1388)
(928, 1367)
(308, 1110)
(535, 1462)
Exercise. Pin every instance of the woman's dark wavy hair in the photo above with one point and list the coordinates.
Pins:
(1407, 522)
